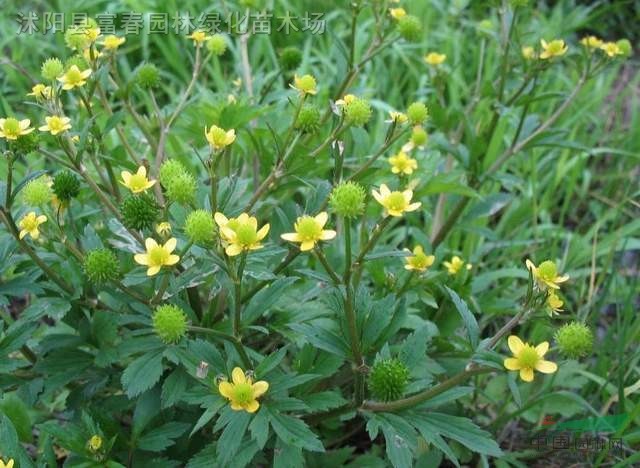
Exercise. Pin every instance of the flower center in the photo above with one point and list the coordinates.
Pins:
(528, 357)
(158, 256)
(243, 394)
(137, 181)
(11, 127)
(308, 228)
(29, 223)
(55, 124)
(396, 201)
(74, 76)
(246, 235)
(547, 270)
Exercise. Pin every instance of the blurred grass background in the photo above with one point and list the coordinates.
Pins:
(575, 199)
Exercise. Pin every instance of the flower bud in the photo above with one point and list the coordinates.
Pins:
(182, 189)
(101, 266)
(419, 136)
(139, 211)
(51, 69)
(357, 112)
(66, 186)
(410, 28)
(199, 227)
(417, 113)
(148, 76)
(217, 44)
(25, 144)
(308, 119)
(625, 47)
(347, 200)
(388, 379)
(169, 323)
(574, 340)
(290, 58)
(37, 192)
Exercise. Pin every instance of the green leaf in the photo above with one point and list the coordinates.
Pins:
(162, 437)
(231, 438)
(142, 374)
(293, 431)
(467, 317)
(447, 183)
(173, 388)
(263, 300)
(10, 445)
(323, 401)
(460, 429)
(270, 362)
(259, 428)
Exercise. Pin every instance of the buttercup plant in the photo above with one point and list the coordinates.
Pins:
(240, 249)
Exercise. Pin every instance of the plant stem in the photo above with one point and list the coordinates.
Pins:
(237, 286)
(320, 255)
(426, 394)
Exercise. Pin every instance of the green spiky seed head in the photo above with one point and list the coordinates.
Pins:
(308, 119)
(419, 136)
(76, 37)
(139, 211)
(66, 186)
(51, 68)
(625, 47)
(347, 199)
(217, 44)
(77, 60)
(25, 144)
(410, 28)
(169, 170)
(199, 227)
(574, 340)
(357, 112)
(388, 379)
(37, 192)
(182, 189)
(290, 58)
(101, 266)
(417, 113)
(170, 323)
(148, 76)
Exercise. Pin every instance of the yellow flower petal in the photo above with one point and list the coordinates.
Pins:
(546, 367)
(515, 344)
(259, 388)
(526, 374)
(252, 407)
(290, 236)
(238, 377)
(542, 348)
(141, 259)
(170, 245)
(512, 364)
(225, 389)
(152, 271)
(307, 245)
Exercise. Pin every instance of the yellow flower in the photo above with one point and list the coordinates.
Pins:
(40, 91)
(528, 358)
(401, 163)
(419, 261)
(397, 13)
(157, 256)
(305, 84)
(74, 77)
(112, 42)
(243, 393)
(56, 124)
(240, 234)
(30, 224)
(199, 37)
(611, 49)
(95, 443)
(434, 58)
(397, 117)
(528, 52)
(137, 182)
(346, 99)
(93, 33)
(309, 230)
(554, 303)
(219, 138)
(555, 48)
(8, 464)
(395, 203)
(591, 42)
(11, 128)
(546, 275)
(163, 228)
(456, 264)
